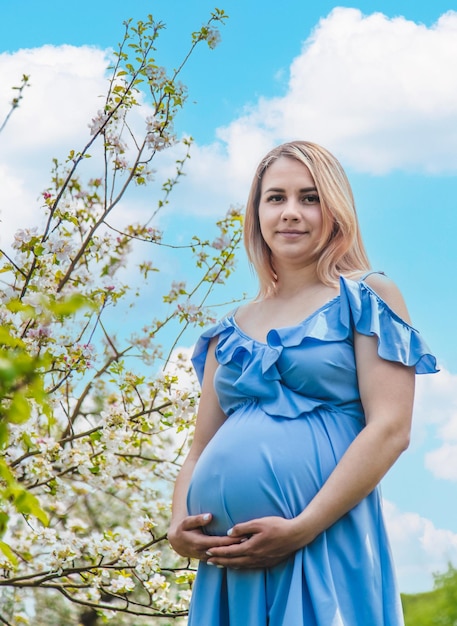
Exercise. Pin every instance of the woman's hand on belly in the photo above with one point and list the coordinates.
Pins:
(188, 539)
(263, 543)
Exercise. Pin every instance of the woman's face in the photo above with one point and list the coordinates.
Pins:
(290, 214)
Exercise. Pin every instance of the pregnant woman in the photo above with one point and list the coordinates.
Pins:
(306, 402)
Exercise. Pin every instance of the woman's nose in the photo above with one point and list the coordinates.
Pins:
(290, 210)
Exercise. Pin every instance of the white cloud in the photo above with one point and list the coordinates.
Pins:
(436, 412)
(436, 399)
(66, 88)
(419, 548)
(16, 200)
(382, 92)
(379, 92)
(442, 462)
(64, 94)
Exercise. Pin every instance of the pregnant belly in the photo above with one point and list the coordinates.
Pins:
(257, 465)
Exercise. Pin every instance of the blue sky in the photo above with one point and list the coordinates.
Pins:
(374, 82)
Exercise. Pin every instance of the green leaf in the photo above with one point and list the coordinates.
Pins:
(7, 339)
(19, 409)
(5, 473)
(4, 519)
(4, 547)
(16, 306)
(3, 433)
(68, 306)
(27, 504)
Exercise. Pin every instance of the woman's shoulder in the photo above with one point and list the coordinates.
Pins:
(386, 289)
(245, 311)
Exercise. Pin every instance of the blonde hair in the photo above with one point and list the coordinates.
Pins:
(340, 250)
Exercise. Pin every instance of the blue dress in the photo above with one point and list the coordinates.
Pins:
(293, 408)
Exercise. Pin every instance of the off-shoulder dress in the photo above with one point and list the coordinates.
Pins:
(293, 408)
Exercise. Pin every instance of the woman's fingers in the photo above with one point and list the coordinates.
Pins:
(261, 543)
(188, 538)
(192, 522)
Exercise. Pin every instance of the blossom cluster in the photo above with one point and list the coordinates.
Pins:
(107, 492)
(158, 135)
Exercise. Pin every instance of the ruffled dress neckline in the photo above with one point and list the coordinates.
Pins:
(280, 329)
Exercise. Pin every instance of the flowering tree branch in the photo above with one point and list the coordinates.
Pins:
(15, 102)
(95, 420)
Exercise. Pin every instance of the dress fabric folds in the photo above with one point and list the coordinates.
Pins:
(293, 408)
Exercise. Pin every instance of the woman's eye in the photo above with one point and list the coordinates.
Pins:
(311, 199)
(275, 198)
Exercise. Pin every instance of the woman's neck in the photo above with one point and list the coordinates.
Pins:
(294, 281)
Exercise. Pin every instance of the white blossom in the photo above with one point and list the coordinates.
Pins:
(213, 37)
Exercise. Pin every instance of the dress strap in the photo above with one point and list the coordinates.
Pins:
(370, 273)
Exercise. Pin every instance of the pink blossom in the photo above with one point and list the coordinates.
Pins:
(98, 122)
(221, 242)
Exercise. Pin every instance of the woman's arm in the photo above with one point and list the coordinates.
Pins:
(387, 391)
(387, 395)
(185, 534)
